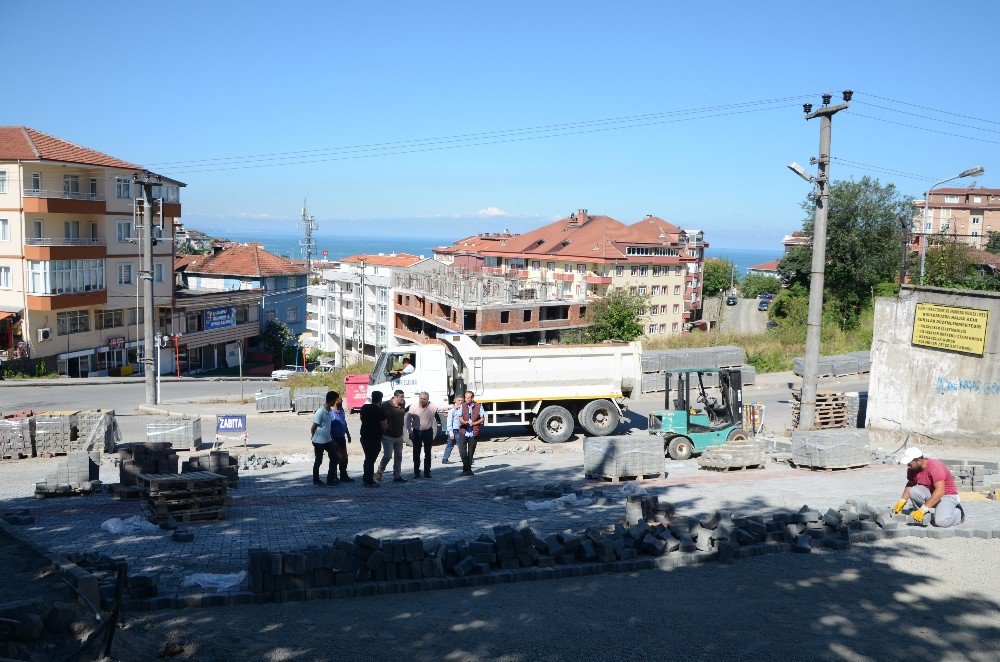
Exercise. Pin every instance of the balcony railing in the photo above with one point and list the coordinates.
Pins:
(59, 193)
(63, 241)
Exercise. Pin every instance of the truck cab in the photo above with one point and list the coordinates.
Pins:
(432, 371)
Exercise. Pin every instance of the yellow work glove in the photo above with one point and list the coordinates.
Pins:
(898, 508)
(918, 515)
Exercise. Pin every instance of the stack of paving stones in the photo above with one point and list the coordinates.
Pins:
(55, 432)
(974, 476)
(550, 491)
(144, 458)
(273, 399)
(78, 474)
(254, 462)
(831, 449)
(186, 497)
(831, 410)
(838, 365)
(657, 362)
(857, 408)
(217, 462)
(735, 455)
(105, 571)
(17, 436)
(181, 433)
(623, 457)
(309, 398)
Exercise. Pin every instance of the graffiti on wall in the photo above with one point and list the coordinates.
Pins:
(967, 385)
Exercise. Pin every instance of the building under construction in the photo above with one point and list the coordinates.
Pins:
(493, 309)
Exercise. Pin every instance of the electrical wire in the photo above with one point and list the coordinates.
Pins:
(888, 171)
(935, 110)
(933, 119)
(923, 128)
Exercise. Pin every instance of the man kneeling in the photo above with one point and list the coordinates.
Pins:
(929, 484)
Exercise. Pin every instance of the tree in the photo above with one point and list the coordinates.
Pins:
(616, 317)
(993, 242)
(865, 222)
(276, 337)
(756, 284)
(717, 275)
(947, 263)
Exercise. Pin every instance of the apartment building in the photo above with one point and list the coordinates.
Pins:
(247, 266)
(964, 214)
(586, 255)
(69, 257)
(350, 312)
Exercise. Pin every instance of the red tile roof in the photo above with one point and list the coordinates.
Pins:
(395, 260)
(27, 144)
(244, 260)
(984, 258)
(182, 261)
(770, 265)
(963, 191)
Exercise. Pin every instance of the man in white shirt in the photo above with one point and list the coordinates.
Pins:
(322, 443)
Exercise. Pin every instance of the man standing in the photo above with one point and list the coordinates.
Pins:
(321, 442)
(471, 423)
(393, 439)
(373, 425)
(454, 424)
(929, 484)
(340, 435)
(421, 423)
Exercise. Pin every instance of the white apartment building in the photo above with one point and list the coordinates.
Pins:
(350, 313)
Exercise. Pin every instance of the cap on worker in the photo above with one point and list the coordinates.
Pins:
(909, 455)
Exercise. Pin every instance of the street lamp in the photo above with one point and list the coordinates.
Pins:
(971, 172)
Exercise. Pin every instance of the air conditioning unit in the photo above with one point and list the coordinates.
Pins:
(44, 334)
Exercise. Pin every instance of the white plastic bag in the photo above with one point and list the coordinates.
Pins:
(134, 524)
(632, 489)
(553, 504)
(218, 582)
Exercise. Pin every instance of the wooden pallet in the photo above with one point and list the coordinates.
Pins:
(184, 506)
(733, 467)
(188, 518)
(183, 482)
(841, 468)
(626, 479)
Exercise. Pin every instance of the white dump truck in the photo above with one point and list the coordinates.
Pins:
(551, 388)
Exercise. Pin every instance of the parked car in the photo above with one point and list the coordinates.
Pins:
(731, 300)
(324, 367)
(764, 304)
(286, 372)
(767, 297)
(700, 325)
(772, 325)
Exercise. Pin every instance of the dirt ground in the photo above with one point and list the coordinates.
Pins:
(908, 599)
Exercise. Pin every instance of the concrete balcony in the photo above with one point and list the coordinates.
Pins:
(564, 277)
(597, 280)
(66, 301)
(55, 201)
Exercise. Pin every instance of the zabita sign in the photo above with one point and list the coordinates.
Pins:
(230, 423)
(951, 328)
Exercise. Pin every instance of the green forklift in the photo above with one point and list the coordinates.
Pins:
(688, 427)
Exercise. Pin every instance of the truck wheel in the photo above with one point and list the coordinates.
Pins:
(554, 424)
(534, 425)
(680, 448)
(737, 435)
(599, 418)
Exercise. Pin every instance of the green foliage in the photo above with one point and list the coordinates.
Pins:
(947, 263)
(795, 267)
(791, 306)
(756, 284)
(333, 381)
(276, 337)
(313, 355)
(41, 370)
(717, 275)
(993, 242)
(615, 317)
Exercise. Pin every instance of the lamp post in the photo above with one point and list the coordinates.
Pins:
(971, 172)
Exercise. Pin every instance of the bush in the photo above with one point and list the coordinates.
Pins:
(754, 285)
(333, 381)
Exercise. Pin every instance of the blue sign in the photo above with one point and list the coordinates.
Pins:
(220, 318)
(230, 423)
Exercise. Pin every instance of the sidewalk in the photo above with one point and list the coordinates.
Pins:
(134, 379)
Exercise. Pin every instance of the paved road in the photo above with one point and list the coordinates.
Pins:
(743, 318)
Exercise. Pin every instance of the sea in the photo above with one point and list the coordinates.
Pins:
(288, 244)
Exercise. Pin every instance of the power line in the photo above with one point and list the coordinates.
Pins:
(875, 168)
(923, 128)
(268, 162)
(486, 134)
(936, 110)
(933, 119)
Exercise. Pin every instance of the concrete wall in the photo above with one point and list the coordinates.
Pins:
(933, 395)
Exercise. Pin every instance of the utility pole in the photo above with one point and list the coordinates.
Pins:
(814, 321)
(308, 243)
(147, 180)
(363, 329)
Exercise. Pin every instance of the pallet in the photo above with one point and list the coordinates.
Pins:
(840, 468)
(733, 467)
(126, 492)
(188, 518)
(184, 506)
(183, 482)
(624, 479)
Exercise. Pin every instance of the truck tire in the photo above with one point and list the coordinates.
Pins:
(737, 435)
(554, 424)
(534, 424)
(599, 418)
(679, 448)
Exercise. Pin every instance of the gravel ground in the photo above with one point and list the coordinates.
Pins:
(913, 599)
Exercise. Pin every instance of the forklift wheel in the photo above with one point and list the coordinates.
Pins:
(737, 435)
(679, 448)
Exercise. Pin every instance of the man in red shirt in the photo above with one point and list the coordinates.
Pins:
(929, 484)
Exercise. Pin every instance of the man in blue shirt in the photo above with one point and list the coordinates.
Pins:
(322, 442)
(340, 435)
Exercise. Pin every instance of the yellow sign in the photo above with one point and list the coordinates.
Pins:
(947, 327)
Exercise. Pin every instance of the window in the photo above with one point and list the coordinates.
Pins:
(157, 273)
(4, 229)
(65, 276)
(581, 268)
(290, 282)
(124, 274)
(632, 290)
(655, 290)
(677, 289)
(504, 316)
(642, 290)
(93, 188)
(71, 229)
(124, 230)
(583, 311)
(192, 322)
(641, 250)
(551, 266)
(656, 270)
(36, 227)
(36, 181)
(271, 314)
(123, 188)
(977, 199)
(95, 231)
(4, 278)
(927, 225)
(951, 198)
(109, 319)
(635, 270)
(133, 317)
(527, 316)
(491, 261)
(652, 329)
(73, 321)
(71, 186)
(644, 270)
(677, 308)
(3, 181)
(673, 327)
(677, 270)
(663, 328)
(535, 264)
(292, 314)
(619, 270)
(242, 313)
(976, 220)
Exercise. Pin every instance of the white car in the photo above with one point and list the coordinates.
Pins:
(286, 372)
(324, 367)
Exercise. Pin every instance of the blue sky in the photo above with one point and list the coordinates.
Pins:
(227, 79)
